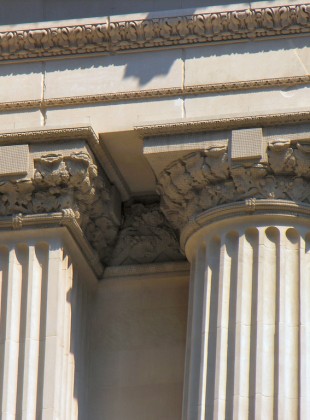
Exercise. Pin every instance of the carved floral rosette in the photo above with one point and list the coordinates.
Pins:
(205, 179)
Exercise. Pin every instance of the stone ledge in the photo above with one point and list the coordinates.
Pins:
(173, 268)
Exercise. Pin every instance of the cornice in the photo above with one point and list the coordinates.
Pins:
(229, 122)
(116, 36)
(280, 82)
(66, 218)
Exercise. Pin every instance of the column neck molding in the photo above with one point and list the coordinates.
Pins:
(250, 212)
(143, 32)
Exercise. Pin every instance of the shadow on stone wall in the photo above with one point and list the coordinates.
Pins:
(19, 11)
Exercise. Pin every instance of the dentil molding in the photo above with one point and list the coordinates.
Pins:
(126, 35)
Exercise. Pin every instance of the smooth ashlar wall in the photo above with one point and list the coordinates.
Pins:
(138, 347)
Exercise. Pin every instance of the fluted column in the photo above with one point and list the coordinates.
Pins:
(249, 321)
(44, 291)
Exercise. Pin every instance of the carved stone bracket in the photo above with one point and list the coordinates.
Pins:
(208, 178)
(117, 36)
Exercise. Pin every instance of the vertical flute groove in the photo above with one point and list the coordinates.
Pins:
(23, 257)
(11, 349)
(266, 316)
(32, 333)
(233, 251)
(69, 356)
(4, 271)
(243, 326)
(204, 340)
(304, 352)
(213, 258)
(187, 402)
(196, 332)
(42, 253)
(226, 269)
(74, 346)
(83, 360)
(52, 353)
(289, 327)
(254, 239)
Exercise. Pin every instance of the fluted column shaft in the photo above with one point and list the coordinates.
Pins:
(43, 301)
(248, 345)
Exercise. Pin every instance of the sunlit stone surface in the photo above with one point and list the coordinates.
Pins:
(154, 210)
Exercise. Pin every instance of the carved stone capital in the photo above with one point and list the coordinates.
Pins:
(212, 177)
(63, 178)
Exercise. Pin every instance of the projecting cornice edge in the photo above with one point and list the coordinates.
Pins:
(137, 95)
(117, 36)
(228, 122)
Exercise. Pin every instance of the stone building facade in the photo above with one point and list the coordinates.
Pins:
(154, 210)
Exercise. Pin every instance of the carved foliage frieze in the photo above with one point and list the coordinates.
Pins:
(112, 36)
(145, 237)
(70, 182)
(205, 179)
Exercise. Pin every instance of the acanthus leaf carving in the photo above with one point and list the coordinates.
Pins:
(145, 237)
(156, 32)
(67, 183)
(213, 180)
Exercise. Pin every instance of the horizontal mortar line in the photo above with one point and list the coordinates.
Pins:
(194, 90)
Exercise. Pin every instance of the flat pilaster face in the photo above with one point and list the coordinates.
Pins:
(248, 349)
(42, 330)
